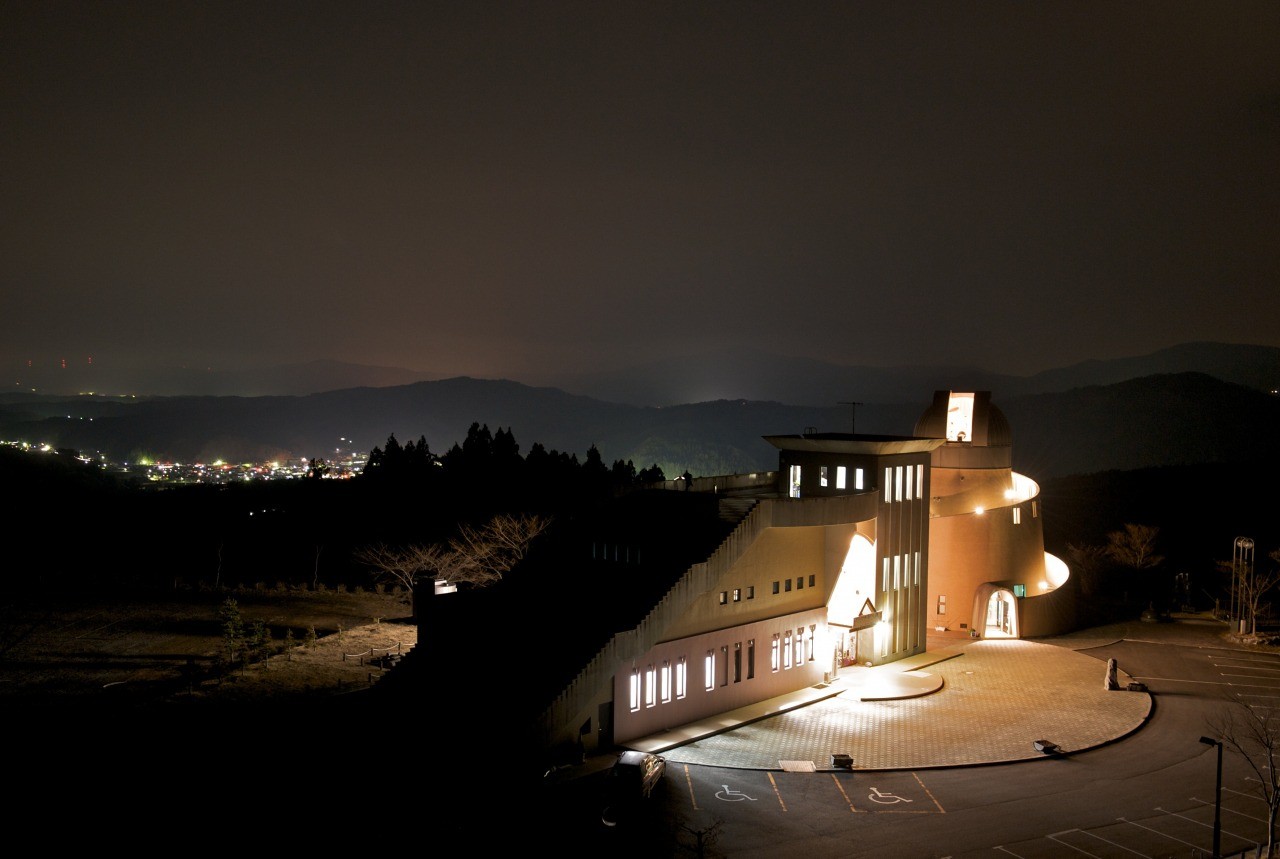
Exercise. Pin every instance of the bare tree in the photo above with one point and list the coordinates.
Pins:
(1252, 586)
(478, 556)
(1253, 733)
(1134, 546)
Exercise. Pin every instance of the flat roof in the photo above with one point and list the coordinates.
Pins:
(843, 442)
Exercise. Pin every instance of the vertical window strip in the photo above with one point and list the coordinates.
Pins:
(634, 693)
(888, 484)
(841, 476)
(709, 670)
(858, 479)
(682, 678)
(910, 493)
(650, 687)
(919, 480)
(665, 679)
(775, 656)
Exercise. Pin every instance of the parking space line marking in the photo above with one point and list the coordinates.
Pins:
(1231, 811)
(1054, 838)
(845, 794)
(928, 793)
(693, 797)
(1113, 843)
(776, 792)
(1157, 831)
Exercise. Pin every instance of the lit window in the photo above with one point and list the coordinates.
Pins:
(822, 476)
(794, 472)
(709, 669)
(798, 643)
(919, 481)
(774, 654)
(897, 483)
(666, 682)
(910, 473)
(841, 476)
(857, 479)
(634, 696)
(724, 597)
(650, 687)
(960, 417)
(682, 678)
(737, 594)
(786, 651)
(888, 485)
(942, 604)
(1017, 515)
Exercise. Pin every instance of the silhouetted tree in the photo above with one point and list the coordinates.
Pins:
(478, 556)
(1253, 734)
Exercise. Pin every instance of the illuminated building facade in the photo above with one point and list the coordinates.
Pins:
(851, 553)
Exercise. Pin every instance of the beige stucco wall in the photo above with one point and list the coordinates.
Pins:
(699, 702)
(968, 550)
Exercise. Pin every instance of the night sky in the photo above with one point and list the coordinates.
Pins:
(518, 190)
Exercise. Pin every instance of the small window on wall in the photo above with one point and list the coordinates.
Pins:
(786, 651)
(666, 683)
(1017, 515)
(650, 687)
(798, 643)
(751, 658)
(1019, 591)
(787, 586)
(775, 654)
(724, 597)
(633, 696)
(857, 479)
(842, 475)
(799, 583)
(822, 476)
(1035, 511)
(709, 671)
(751, 592)
(775, 587)
(942, 604)
(682, 678)
(737, 594)
(737, 662)
(794, 474)
(812, 578)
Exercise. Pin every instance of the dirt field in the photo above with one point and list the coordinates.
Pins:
(79, 651)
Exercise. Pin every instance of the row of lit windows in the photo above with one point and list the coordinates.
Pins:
(903, 483)
(842, 477)
(900, 571)
(670, 682)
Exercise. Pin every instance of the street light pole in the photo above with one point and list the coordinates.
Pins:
(1217, 800)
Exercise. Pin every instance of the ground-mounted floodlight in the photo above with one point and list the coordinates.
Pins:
(1217, 800)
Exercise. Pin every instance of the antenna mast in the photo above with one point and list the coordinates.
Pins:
(853, 415)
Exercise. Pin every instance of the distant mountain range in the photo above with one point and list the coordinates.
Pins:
(737, 374)
(1192, 404)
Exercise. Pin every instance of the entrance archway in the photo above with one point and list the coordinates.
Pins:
(997, 608)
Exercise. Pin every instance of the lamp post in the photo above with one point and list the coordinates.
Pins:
(1217, 800)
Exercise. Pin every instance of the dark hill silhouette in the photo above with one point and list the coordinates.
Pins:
(1150, 421)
